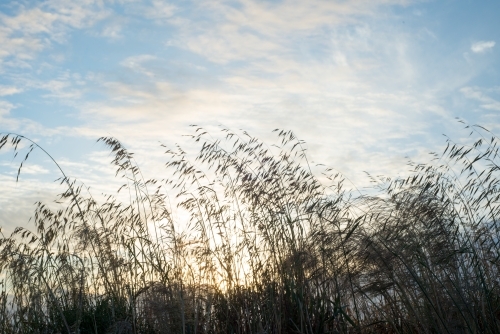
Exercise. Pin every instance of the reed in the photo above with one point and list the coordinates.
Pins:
(264, 245)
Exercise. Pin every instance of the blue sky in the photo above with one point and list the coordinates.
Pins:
(365, 83)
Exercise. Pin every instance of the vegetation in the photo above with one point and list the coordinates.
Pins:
(246, 241)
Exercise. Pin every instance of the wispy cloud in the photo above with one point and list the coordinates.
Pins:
(5, 108)
(158, 10)
(226, 32)
(478, 94)
(482, 46)
(25, 192)
(112, 31)
(9, 90)
(348, 75)
(30, 30)
(136, 63)
(318, 68)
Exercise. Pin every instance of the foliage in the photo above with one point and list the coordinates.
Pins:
(264, 246)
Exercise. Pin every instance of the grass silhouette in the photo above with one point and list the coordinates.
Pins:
(264, 246)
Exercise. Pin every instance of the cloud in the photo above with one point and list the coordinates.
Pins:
(478, 94)
(112, 31)
(337, 73)
(248, 29)
(9, 90)
(5, 108)
(322, 102)
(482, 46)
(314, 67)
(31, 30)
(26, 126)
(34, 169)
(159, 10)
(60, 89)
(135, 63)
(17, 200)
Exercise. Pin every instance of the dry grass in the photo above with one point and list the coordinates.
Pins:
(265, 247)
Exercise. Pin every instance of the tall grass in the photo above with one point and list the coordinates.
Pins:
(244, 240)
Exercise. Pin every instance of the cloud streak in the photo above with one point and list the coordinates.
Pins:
(9, 90)
(478, 94)
(482, 46)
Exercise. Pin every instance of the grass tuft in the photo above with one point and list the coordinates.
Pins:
(264, 245)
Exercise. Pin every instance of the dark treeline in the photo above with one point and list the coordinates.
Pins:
(244, 240)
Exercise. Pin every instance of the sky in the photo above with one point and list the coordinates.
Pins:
(367, 84)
